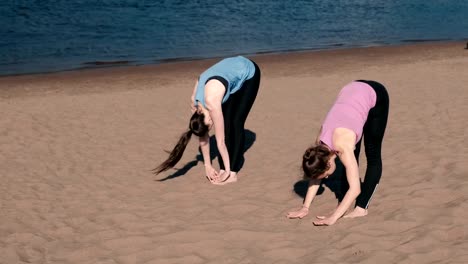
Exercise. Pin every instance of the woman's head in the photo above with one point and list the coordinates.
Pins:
(318, 162)
(200, 122)
(204, 116)
(198, 126)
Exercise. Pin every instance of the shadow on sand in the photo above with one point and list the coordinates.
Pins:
(249, 140)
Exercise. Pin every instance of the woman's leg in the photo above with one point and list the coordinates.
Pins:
(243, 101)
(373, 133)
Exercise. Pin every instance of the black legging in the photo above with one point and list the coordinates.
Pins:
(235, 111)
(373, 133)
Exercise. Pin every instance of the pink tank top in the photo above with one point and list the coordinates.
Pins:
(349, 111)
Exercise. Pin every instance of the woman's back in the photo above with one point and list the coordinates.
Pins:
(350, 111)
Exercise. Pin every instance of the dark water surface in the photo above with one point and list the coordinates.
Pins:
(45, 36)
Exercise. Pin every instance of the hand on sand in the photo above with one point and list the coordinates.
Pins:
(211, 174)
(301, 213)
(225, 177)
(326, 221)
(325, 216)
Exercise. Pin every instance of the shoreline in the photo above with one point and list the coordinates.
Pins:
(91, 65)
(19, 85)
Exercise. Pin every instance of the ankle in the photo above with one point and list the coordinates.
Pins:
(358, 208)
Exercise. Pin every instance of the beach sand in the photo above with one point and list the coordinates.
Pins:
(77, 147)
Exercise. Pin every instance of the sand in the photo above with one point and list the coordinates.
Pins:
(77, 147)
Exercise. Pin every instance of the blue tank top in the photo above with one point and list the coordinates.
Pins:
(235, 71)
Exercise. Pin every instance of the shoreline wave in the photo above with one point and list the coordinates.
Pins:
(124, 63)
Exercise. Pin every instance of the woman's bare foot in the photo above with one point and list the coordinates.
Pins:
(226, 178)
(357, 212)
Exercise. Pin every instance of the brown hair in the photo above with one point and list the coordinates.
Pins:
(198, 127)
(315, 161)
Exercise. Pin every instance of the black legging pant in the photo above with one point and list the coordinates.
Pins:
(373, 133)
(235, 112)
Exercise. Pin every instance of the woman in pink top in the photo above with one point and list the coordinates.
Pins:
(361, 110)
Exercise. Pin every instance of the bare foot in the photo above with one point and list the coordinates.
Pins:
(225, 179)
(357, 212)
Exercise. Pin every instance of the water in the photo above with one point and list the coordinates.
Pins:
(45, 35)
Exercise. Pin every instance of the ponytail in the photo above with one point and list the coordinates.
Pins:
(197, 127)
(176, 153)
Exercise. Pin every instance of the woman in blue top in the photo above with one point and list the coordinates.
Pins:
(222, 98)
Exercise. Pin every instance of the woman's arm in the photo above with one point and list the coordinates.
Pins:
(205, 149)
(214, 92)
(314, 185)
(192, 98)
(344, 140)
(352, 175)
